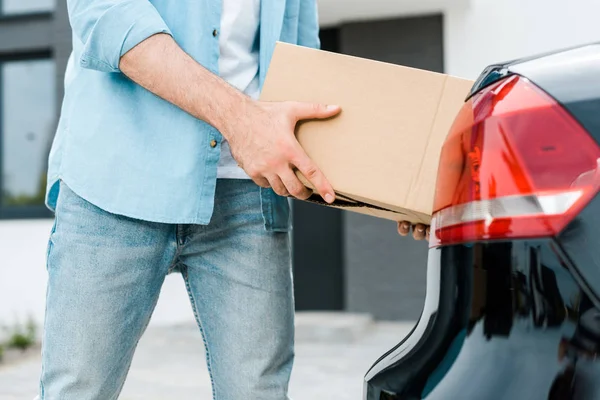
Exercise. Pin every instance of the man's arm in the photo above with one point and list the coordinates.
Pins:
(129, 36)
(161, 66)
(110, 28)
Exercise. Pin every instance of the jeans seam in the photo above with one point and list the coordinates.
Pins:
(49, 248)
(200, 326)
(178, 248)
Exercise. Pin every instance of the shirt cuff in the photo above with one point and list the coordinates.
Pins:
(118, 30)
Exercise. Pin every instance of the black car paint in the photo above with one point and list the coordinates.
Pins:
(512, 320)
(505, 313)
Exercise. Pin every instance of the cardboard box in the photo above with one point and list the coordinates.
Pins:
(381, 153)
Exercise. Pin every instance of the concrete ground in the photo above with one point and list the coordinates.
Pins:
(333, 352)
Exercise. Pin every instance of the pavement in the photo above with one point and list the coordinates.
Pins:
(333, 352)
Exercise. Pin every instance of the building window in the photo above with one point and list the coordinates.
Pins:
(27, 122)
(20, 7)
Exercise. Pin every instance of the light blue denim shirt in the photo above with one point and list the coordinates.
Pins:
(131, 153)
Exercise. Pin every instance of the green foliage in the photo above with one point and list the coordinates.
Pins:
(20, 341)
(13, 200)
(22, 337)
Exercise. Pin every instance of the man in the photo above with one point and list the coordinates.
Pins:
(165, 161)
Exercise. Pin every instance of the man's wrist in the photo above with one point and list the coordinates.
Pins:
(233, 108)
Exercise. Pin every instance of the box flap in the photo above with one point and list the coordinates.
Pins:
(421, 194)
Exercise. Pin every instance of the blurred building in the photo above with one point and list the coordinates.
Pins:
(342, 261)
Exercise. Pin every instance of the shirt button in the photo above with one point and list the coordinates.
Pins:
(213, 143)
(215, 33)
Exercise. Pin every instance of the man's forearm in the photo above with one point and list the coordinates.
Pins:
(161, 66)
(261, 134)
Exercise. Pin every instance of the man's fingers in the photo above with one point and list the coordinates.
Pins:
(404, 228)
(304, 111)
(314, 175)
(427, 233)
(278, 186)
(262, 182)
(419, 232)
(294, 186)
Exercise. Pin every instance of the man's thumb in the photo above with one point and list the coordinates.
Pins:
(315, 111)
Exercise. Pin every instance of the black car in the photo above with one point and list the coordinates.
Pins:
(513, 294)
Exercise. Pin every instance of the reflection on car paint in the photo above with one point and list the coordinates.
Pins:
(501, 321)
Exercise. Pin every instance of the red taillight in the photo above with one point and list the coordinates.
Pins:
(515, 165)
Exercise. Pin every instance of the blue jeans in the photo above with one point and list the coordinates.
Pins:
(105, 275)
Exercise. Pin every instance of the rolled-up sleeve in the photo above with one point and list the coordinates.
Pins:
(110, 28)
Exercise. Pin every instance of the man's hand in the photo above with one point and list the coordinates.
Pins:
(420, 231)
(261, 134)
(263, 142)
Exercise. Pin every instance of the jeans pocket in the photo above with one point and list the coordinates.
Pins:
(276, 211)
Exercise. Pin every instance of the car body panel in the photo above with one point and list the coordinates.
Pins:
(507, 320)
(569, 76)
(516, 320)
(572, 78)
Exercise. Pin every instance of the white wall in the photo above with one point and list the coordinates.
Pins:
(22, 269)
(489, 31)
(335, 12)
(23, 277)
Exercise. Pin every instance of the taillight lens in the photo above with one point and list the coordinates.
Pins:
(515, 164)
